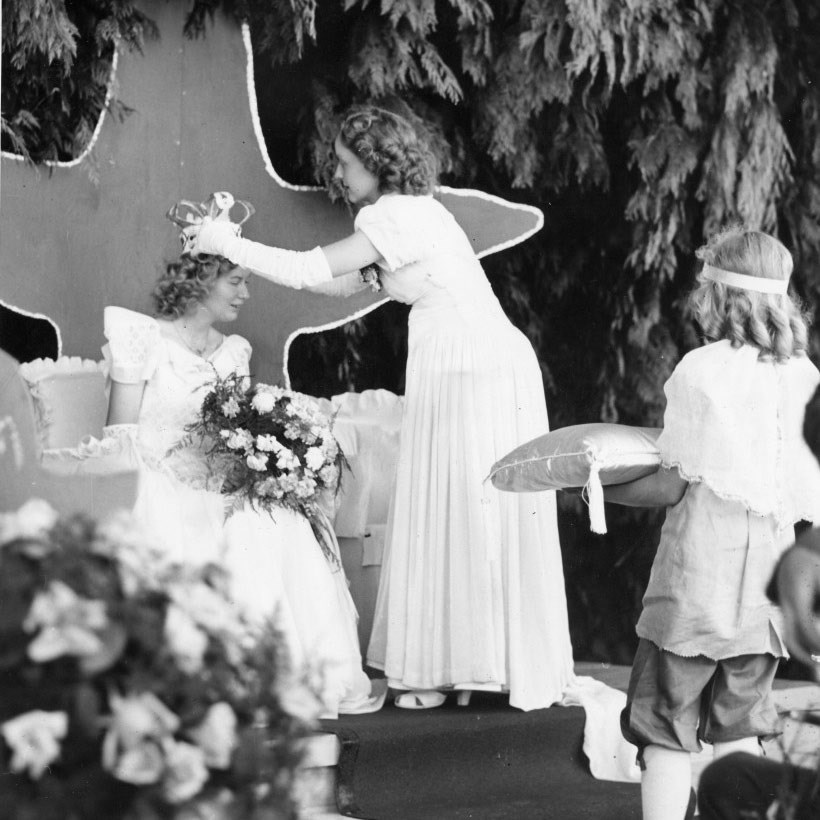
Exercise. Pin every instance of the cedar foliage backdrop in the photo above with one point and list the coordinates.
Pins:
(638, 126)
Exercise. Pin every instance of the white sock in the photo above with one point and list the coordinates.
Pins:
(749, 745)
(666, 783)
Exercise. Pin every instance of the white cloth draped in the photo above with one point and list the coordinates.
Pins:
(735, 423)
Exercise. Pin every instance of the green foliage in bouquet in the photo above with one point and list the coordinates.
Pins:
(275, 447)
(130, 688)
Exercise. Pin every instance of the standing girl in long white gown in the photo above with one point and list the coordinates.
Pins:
(161, 369)
(472, 588)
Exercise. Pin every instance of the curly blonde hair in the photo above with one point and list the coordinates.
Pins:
(187, 281)
(773, 323)
(391, 149)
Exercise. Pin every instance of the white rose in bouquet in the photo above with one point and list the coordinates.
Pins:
(67, 624)
(263, 402)
(33, 520)
(131, 749)
(239, 439)
(257, 461)
(34, 738)
(314, 458)
(230, 408)
(185, 640)
(185, 772)
(268, 444)
(216, 735)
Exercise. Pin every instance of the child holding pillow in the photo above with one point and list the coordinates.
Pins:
(736, 477)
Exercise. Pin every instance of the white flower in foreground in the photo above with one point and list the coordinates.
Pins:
(209, 609)
(140, 563)
(132, 748)
(185, 773)
(216, 736)
(230, 408)
(33, 520)
(185, 640)
(314, 457)
(300, 701)
(34, 740)
(263, 402)
(66, 622)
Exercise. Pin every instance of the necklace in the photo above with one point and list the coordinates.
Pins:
(198, 351)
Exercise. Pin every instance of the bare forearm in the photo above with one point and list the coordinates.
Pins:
(664, 488)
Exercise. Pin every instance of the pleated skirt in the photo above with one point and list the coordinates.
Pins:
(472, 586)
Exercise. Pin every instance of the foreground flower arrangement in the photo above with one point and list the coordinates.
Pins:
(134, 689)
(275, 446)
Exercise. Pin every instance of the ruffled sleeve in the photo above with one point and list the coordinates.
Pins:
(235, 356)
(734, 422)
(392, 225)
(133, 347)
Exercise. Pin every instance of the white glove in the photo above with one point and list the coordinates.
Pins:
(342, 286)
(293, 269)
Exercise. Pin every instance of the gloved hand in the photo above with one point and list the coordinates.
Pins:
(293, 269)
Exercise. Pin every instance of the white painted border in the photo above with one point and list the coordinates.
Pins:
(516, 206)
(318, 329)
(32, 315)
(73, 163)
(260, 141)
(257, 125)
(109, 91)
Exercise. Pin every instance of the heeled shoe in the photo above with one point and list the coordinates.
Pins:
(420, 699)
(463, 697)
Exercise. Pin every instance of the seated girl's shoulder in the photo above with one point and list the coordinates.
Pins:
(238, 344)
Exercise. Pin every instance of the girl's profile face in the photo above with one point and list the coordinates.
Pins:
(228, 294)
(359, 185)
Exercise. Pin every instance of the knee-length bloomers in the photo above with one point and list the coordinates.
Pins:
(472, 587)
(733, 428)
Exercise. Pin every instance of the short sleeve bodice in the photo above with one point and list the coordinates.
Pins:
(427, 257)
(176, 379)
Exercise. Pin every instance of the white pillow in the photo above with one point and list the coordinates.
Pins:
(591, 456)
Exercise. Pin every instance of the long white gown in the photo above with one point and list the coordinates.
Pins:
(277, 566)
(472, 587)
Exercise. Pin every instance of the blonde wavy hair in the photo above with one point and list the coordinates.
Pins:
(186, 282)
(391, 149)
(773, 323)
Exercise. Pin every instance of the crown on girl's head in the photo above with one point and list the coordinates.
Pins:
(217, 207)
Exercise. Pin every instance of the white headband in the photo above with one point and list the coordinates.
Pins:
(745, 282)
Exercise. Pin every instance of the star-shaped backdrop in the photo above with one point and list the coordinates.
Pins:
(70, 246)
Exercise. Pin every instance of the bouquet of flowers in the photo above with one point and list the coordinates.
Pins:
(275, 447)
(130, 688)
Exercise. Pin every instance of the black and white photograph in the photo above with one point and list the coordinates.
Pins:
(410, 410)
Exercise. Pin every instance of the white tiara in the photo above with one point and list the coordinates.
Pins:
(217, 206)
(744, 281)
